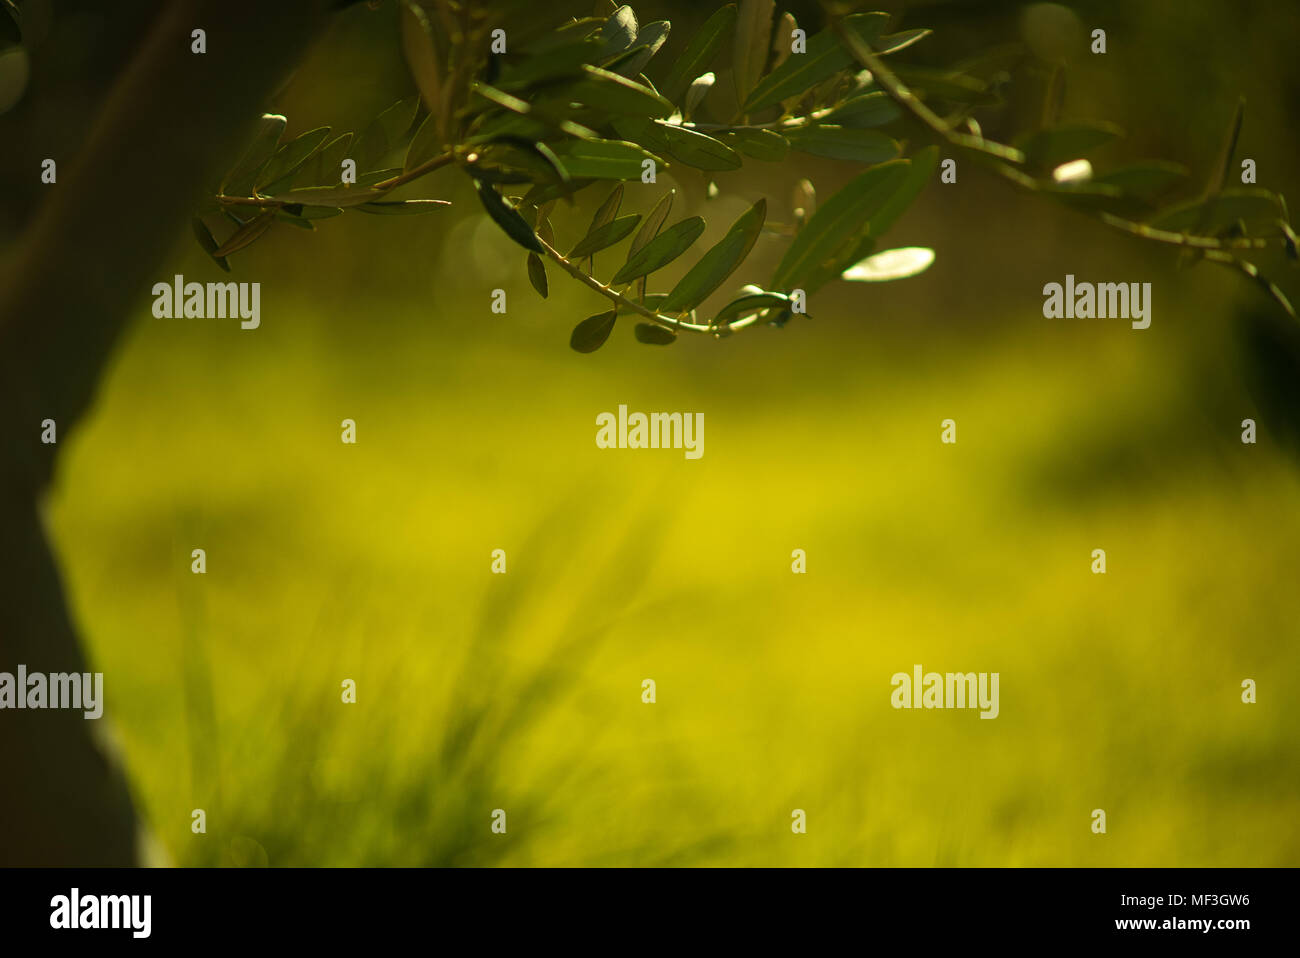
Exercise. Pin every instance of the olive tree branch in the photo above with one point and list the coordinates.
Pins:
(618, 298)
(1003, 155)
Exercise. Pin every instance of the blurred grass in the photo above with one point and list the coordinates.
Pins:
(522, 691)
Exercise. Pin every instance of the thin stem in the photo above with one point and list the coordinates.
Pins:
(614, 296)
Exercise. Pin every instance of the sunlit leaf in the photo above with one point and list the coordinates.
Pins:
(619, 32)
(402, 207)
(891, 264)
(747, 305)
(700, 86)
(893, 42)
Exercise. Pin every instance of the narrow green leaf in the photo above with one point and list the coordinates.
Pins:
(240, 180)
(507, 218)
(1146, 180)
(699, 52)
(421, 55)
(278, 172)
(868, 110)
(246, 235)
(652, 334)
(719, 262)
(341, 196)
(660, 251)
(602, 159)
(326, 167)
(424, 145)
(553, 64)
(843, 143)
(653, 223)
(315, 212)
(824, 57)
(893, 42)
(758, 144)
(699, 88)
(947, 85)
(747, 305)
(1208, 216)
(697, 149)
(590, 334)
(838, 222)
(1045, 149)
(208, 242)
(619, 32)
(920, 170)
(607, 210)
(649, 40)
(537, 275)
(614, 94)
(402, 207)
(750, 45)
(385, 134)
(605, 236)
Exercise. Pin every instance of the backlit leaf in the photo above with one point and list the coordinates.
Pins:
(661, 250)
(719, 262)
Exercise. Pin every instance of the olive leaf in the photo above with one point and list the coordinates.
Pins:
(590, 334)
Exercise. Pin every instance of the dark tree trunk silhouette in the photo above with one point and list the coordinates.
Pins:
(172, 121)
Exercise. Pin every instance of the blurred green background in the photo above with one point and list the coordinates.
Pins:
(476, 432)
